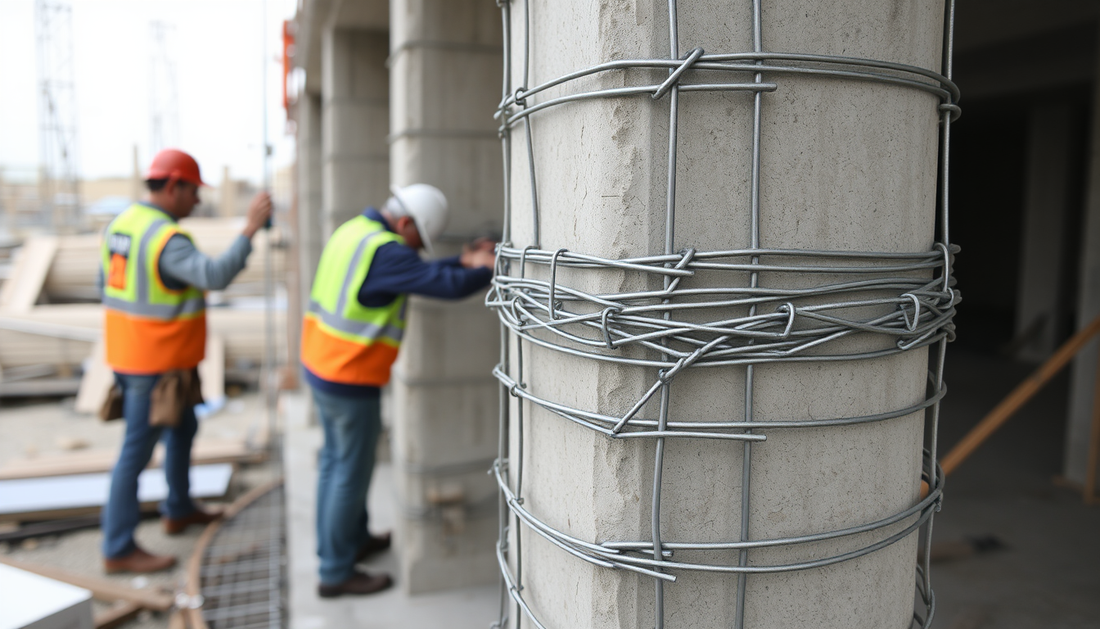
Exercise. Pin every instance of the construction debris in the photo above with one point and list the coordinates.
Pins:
(204, 452)
(51, 527)
(101, 589)
(23, 288)
(31, 499)
(32, 600)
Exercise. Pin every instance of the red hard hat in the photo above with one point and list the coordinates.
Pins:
(174, 164)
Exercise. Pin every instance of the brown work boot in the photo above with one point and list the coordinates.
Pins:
(175, 526)
(374, 545)
(359, 583)
(138, 561)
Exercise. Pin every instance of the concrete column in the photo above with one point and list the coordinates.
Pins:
(1045, 207)
(309, 236)
(445, 84)
(355, 119)
(845, 165)
(1083, 383)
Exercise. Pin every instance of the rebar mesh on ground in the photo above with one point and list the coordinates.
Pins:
(242, 578)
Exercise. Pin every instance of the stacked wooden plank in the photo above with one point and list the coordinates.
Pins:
(72, 274)
(51, 334)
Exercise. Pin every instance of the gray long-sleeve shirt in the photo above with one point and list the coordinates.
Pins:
(182, 265)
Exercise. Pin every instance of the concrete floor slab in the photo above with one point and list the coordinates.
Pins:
(473, 607)
(1047, 574)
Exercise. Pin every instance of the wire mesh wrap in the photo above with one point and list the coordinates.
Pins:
(732, 319)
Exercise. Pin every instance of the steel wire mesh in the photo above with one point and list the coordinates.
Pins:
(912, 292)
(242, 579)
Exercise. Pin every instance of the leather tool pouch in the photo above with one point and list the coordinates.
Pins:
(112, 406)
(173, 391)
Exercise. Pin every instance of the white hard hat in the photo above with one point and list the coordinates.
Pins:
(426, 205)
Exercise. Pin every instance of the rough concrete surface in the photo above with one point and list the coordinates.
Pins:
(444, 84)
(845, 165)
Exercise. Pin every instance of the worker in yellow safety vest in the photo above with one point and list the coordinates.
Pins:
(350, 338)
(153, 282)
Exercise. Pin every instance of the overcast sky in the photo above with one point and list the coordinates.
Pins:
(219, 57)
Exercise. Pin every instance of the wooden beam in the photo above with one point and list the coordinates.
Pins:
(22, 289)
(41, 386)
(118, 615)
(1018, 397)
(205, 451)
(96, 383)
(101, 589)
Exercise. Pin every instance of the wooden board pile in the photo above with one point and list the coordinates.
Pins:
(71, 275)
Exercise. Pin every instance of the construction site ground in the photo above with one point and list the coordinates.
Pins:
(35, 428)
(1043, 571)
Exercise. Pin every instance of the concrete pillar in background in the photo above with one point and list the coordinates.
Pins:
(445, 84)
(1046, 200)
(1083, 380)
(845, 165)
(355, 121)
(308, 236)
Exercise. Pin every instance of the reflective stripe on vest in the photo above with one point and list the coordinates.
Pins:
(342, 340)
(149, 327)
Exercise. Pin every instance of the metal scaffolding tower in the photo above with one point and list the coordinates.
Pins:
(59, 184)
(163, 109)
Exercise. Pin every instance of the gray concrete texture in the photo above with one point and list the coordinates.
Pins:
(845, 166)
(444, 86)
(445, 78)
(355, 122)
(309, 236)
(1046, 201)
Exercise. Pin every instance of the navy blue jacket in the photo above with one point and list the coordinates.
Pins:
(396, 270)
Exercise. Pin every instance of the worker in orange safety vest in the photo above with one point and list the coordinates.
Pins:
(152, 283)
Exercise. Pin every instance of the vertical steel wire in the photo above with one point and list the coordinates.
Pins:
(670, 238)
(933, 413)
(502, 266)
(754, 279)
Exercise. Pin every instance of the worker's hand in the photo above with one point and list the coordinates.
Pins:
(259, 211)
(479, 253)
(481, 244)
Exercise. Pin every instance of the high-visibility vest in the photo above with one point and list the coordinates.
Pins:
(342, 340)
(149, 328)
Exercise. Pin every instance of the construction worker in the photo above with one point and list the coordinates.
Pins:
(350, 339)
(152, 283)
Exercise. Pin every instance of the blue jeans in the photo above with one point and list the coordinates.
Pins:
(351, 426)
(122, 512)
